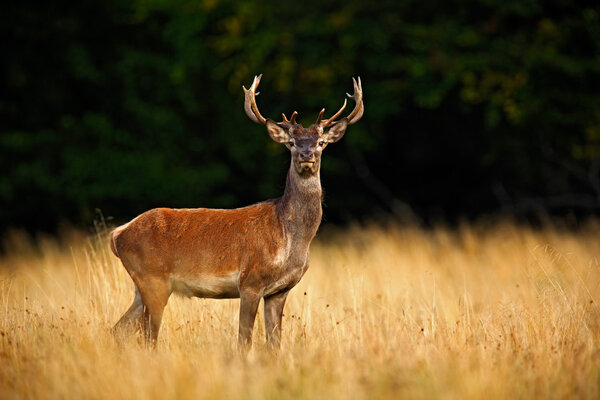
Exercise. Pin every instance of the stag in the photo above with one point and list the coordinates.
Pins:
(253, 252)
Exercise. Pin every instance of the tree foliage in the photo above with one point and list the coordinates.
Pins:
(471, 106)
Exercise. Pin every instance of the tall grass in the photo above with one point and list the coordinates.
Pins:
(500, 311)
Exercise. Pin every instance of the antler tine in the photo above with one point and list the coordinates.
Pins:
(288, 122)
(359, 108)
(329, 121)
(250, 102)
(320, 117)
(355, 115)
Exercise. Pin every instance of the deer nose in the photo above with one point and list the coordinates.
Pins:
(307, 156)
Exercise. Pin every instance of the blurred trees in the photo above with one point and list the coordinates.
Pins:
(471, 106)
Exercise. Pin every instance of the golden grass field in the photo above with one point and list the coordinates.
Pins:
(481, 311)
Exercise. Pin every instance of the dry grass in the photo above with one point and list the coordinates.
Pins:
(479, 312)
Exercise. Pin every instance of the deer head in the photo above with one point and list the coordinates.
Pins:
(305, 144)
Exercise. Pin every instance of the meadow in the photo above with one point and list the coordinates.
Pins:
(487, 310)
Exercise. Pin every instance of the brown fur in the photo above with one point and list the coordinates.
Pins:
(189, 242)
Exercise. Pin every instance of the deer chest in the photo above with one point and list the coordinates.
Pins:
(287, 274)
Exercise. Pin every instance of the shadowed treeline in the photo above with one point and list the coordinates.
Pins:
(472, 107)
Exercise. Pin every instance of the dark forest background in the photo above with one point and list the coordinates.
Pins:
(472, 107)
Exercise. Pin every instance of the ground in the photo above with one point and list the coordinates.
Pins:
(494, 310)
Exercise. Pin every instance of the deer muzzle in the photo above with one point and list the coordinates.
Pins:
(306, 157)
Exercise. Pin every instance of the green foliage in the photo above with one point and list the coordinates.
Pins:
(126, 105)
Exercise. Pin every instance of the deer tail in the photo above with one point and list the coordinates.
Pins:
(113, 242)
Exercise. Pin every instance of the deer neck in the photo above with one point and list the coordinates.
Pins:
(300, 205)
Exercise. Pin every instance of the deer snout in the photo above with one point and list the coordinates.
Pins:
(306, 156)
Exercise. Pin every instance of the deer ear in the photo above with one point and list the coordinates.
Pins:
(336, 132)
(276, 132)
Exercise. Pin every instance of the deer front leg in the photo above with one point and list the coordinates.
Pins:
(248, 306)
(273, 312)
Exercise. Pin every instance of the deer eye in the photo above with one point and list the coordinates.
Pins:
(291, 144)
(321, 143)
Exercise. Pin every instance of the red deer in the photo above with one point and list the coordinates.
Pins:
(253, 252)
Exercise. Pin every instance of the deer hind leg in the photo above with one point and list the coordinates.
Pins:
(132, 319)
(155, 292)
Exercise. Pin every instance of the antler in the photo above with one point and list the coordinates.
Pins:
(327, 122)
(250, 102)
(252, 109)
(291, 121)
(354, 116)
(359, 108)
